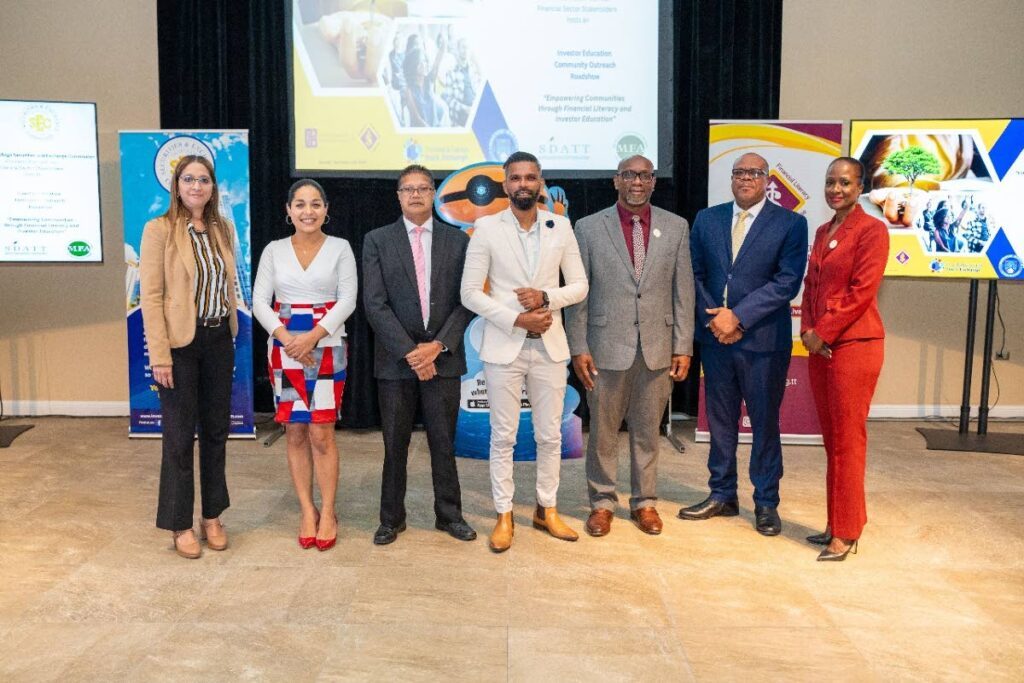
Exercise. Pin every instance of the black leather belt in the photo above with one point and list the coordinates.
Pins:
(211, 322)
(533, 335)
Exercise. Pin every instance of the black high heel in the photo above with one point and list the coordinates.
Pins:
(828, 556)
(824, 538)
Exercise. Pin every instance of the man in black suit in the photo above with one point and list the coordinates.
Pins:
(412, 271)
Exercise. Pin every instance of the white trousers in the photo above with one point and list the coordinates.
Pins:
(545, 386)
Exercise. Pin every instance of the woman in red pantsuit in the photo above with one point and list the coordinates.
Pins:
(842, 330)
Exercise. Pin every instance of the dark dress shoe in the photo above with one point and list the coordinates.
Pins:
(647, 520)
(599, 523)
(711, 507)
(827, 555)
(824, 538)
(387, 534)
(767, 521)
(459, 530)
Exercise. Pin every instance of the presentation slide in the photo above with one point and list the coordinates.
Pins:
(49, 182)
(950, 193)
(380, 84)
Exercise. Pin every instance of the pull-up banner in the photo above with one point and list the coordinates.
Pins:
(148, 159)
(798, 154)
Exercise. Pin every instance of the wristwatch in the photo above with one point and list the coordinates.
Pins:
(547, 301)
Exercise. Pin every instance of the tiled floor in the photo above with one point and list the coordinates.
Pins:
(89, 590)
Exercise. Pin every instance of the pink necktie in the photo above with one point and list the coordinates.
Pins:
(419, 260)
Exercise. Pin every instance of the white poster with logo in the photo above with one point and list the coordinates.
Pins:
(49, 183)
(798, 153)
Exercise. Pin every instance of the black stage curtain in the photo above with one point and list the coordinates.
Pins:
(223, 65)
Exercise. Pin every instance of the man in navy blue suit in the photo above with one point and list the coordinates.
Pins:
(749, 257)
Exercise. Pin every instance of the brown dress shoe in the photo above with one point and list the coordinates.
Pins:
(213, 532)
(548, 520)
(647, 520)
(186, 544)
(501, 537)
(599, 523)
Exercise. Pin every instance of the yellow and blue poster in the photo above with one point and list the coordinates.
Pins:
(949, 191)
(148, 159)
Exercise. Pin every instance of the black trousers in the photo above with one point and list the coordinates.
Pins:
(439, 400)
(199, 403)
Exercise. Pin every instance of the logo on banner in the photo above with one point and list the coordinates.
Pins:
(782, 189)
(936, 266)
(1009, 266)
(502, 144)
(78, 249)
(40, 121)
(903, 257)
(413, 149)
(369, 137)
(172, 151)
(629, 145)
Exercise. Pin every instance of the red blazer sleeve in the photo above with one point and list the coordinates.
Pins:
(861, 291)
(807, 317)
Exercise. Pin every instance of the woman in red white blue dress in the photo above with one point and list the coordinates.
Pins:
(305, 289)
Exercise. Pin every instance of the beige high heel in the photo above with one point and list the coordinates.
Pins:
(213, 533)
(189, 550)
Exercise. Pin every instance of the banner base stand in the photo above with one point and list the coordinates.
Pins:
(938, 439)
(11, 432)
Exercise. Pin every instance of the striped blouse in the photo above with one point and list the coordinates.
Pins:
(211, 281)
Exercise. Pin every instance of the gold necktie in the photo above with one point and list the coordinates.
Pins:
(738, 233)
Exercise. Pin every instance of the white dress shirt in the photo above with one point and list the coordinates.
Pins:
(331, 276)
(426, 237)
(528, 239)
(752, 214)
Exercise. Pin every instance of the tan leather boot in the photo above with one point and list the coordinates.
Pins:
(548, 520)
(501, 537)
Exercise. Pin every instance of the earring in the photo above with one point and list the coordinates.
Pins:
(288, 220)
(327, 219)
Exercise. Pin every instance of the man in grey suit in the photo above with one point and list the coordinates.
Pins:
(412, 270)
(630, 336)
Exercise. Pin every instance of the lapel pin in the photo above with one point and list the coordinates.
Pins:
(657, 233)
(833, 244)
(549, 223)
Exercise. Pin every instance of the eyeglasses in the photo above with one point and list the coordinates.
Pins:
(748, 173)
(422, 189)
(191, 180)
(630, 176)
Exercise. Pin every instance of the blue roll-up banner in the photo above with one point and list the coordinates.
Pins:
(148, 159)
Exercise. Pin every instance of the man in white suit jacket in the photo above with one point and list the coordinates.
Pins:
(520, 252)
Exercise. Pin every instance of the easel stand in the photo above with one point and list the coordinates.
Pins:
(940, 439)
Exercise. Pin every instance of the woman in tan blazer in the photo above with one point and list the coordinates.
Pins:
(187, 278)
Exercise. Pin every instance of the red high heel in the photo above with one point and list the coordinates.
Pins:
(307, 542)
(327, 543)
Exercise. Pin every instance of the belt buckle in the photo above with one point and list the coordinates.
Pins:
(211, 322)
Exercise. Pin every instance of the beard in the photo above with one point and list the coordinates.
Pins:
(635, 200)
(524, 199)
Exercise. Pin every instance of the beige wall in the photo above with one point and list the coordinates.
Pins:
(62, 335)
(916, 59)
(62, 339)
